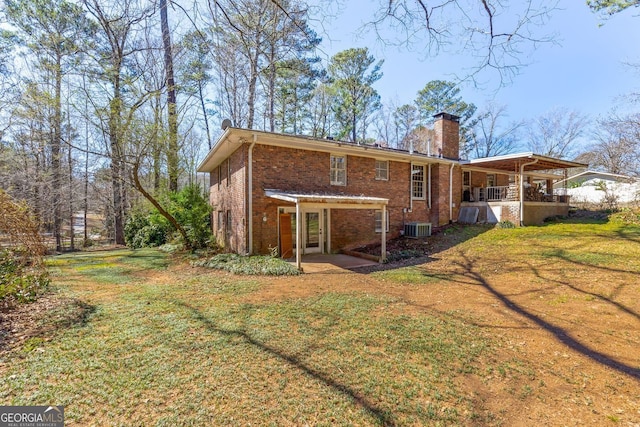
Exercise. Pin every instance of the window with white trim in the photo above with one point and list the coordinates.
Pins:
(378, 217)
(466, 178)
(338, 170)
(417, 182)
(382, 170)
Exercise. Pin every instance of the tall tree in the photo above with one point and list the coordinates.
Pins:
(52, 30)
(406, 120)
(295, 84)
(195, 71)
(256, 36)
(287, 36)
(118, 23)
(439, 96)
(353, 73)
(489, 136)
(556, 133)
(616, 146)
(321, 119)
(172, 107)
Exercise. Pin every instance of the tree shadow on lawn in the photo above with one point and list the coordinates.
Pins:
(382, 416)
(565, 256)
(559, 333)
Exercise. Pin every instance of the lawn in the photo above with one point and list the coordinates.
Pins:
(529, 326)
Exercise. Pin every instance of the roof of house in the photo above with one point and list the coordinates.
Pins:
(232, 138)
(513, 162)
(605, 176)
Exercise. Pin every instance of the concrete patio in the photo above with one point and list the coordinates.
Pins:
(315, 263)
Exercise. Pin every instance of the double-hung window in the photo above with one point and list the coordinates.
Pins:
(417, 182)
(338, 170)
(382, 170)
(378, 216)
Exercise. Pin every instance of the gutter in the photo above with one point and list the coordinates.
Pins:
(522, 189)
(451, 193)
(429, 202)
(250, 195)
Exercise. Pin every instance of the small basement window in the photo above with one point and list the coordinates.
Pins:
(378, 216)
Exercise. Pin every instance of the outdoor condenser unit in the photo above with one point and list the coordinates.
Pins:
(417, 229)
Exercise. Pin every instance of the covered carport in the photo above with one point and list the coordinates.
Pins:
(306, 201)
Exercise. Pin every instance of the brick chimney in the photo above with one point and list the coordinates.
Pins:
(447, 136)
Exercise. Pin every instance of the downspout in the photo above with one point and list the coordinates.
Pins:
(451, 193)
(429, 201)
(250, 195)
(522, 189)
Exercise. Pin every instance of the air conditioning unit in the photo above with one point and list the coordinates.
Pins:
(417, 229)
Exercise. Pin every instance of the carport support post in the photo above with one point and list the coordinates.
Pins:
(298, 237)
(383, 244)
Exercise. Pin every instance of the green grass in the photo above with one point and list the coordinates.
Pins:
(112, 267)
(576, 243)
(193, 352)
(200, 348)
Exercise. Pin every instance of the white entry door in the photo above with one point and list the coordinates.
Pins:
(312, 235)
(311, 229)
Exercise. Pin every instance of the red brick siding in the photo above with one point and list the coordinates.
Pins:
(309, 171)
(447, 135)
(230, 195)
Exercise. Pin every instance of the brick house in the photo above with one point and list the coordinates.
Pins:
(344, 194)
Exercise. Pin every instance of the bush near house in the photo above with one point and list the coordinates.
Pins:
(190, 209)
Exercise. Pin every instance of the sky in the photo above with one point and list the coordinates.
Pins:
(583, 70)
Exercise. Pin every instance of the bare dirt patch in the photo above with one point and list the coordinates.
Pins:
(23, 327)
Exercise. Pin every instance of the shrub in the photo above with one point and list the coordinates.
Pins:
(189, 208)
(18, 282)
(251, 265)
(143, 232)
(505, 224)
(192, 211)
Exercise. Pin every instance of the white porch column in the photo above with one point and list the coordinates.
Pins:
(383, 244)
(298, 236)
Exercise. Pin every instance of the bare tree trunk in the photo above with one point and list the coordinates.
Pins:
(272, 89)
(253, 80)
(55, 156)
(157, 146)
(71, 229)
(116, 166)
(172, 111)
(204, 113)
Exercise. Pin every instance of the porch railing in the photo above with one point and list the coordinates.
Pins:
(510, 193)
(491, 194)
